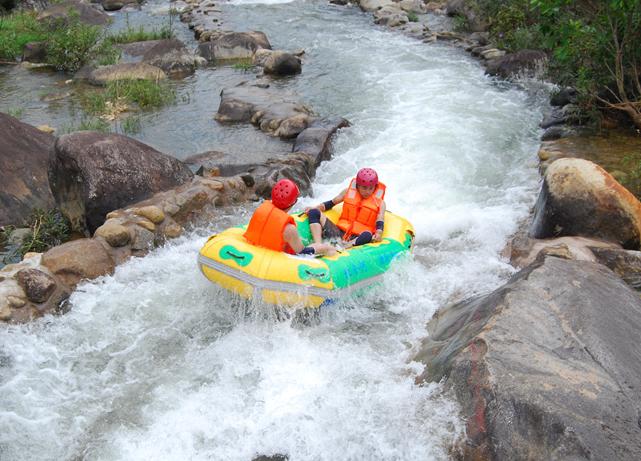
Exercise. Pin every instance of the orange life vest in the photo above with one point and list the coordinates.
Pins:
(266, 228)
(359, 215)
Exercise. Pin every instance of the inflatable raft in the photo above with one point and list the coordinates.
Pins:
(301, 281)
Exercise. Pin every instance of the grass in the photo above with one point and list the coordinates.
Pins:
(131, 125)
(146, 94)
(412, 17)
(16, 112)
(48, 229)
(71, 43)
(88, 124)
(131, 34)
(244, 65)
(16, 30)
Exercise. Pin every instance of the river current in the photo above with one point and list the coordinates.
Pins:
(155, 362)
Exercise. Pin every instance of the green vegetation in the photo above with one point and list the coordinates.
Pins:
(88, 124)
(15, 111)
(244, 65)
(130, 35)
(47, 229)
(70, 43)
(593, 46)
(147, 94)
(412, 17)
(16, 30)
(131, 125)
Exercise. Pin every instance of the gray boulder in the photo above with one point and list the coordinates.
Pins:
(93, 173)
(281, 63)
(545, 367)
(87, 13)
(125, 71)
(217, 45)
(523, 63)
(172, 56)
(23, 170)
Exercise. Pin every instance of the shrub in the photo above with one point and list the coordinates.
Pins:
(412, 17)
(131, 125)
(16, 30)
(70, 43)
(48, 229)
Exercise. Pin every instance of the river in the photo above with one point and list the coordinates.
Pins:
(155, 362)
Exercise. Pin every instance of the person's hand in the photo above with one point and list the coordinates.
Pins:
(378, 235)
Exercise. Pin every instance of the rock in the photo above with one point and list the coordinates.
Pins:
(37, 285)
(555, 117)
(281, 63)
(315, 140)
(391, 16)
(23, 170)
(87, 14)
(374, 5)
(216, 45)
(94, 173)
(580, 198)
(625, 263)
(126, 71)
(114, 233)
(523, 63)
(172, 56)
(492, 53)
(112, 5)
(146, 224)
(412, 6)
(79, 259)
(172, 230)
(143, 240)
(563, 96)
(152, 213)
(16, 302)
(264, 108)
(545, 367)
(558, 131)
(471, 11)
(46, 129)
(35, 52)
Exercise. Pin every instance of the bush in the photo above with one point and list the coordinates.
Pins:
(16, 30)
(48, 229)
(412, 17)
(70, 43)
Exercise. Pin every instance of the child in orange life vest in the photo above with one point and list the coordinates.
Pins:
(271, 227)
(363, 216)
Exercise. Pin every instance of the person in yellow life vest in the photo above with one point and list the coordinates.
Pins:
(363, 217)
(271, 227)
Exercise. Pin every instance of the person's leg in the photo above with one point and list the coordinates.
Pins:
(363, 238)
(316, 224)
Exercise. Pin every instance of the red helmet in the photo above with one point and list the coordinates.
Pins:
(284, 193)
(366, 177)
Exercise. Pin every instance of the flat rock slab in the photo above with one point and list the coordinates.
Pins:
(548, 366)
(24, 159)
(126, 71)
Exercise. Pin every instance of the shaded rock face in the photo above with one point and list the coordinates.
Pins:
(87, 13)
(546, 367)
(37, 285)
(23, 170)
(529, 63)
(580, 198)
(280, 63)
(93, 173)
(231, 45)
(35, 52)
(625, 263)
(273, 112)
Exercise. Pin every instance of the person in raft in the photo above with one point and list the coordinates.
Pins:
(363, 217)
(271, 227)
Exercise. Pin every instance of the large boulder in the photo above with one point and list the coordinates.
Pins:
(545, 367)
(580, 198)
(94, 173)
(126, 71)
(78, 260)
(172, 56)
(87, 13)
(216, 45)
(23, 170)
(273, 112)
(281, 63)
(316, 139)
(523, 63)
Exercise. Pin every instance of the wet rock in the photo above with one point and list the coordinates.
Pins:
(580, 198)
(216, 45)
(87, 13)
(23, 170)
(558, 132)
(282, 63)
(79, 259)
(412, 6)
(126, 71)
(37, 285)
(625, 263)
(115, 5)
(563, 97)
(264, 108)
(114, 233)
(390, 15)
(523, 63)
(35, 52)
(143, 240)
(276, 457)
(172, 56)
(545, 367)
(151, 212)
(93, 173)
(492, 53)
(374, 5)
(316, 139)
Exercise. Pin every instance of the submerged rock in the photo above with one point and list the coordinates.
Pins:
(545, 367)
(580, 198)
(93, 173)
(24, 159)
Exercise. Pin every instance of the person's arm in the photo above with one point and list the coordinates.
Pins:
(290, 235)
(328, 205)
(380, 224)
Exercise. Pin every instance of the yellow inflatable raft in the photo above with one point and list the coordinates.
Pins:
(295, 280)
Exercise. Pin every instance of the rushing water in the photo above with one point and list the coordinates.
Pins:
(155, 362)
